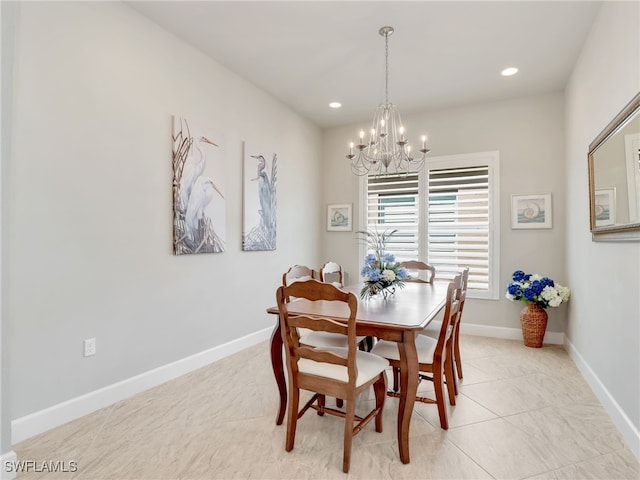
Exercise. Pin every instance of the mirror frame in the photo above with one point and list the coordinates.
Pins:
(619, 232)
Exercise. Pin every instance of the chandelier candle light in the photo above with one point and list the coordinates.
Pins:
(387, 150)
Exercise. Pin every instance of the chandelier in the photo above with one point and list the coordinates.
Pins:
(386, 150)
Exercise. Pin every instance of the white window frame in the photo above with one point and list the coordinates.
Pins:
(492, 160)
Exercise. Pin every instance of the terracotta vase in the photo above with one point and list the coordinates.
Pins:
(534, 325)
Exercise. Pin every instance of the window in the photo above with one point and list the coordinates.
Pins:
(393, 204)
(446, 215)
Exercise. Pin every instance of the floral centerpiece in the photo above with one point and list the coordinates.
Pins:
(533, 288)
(537, 293)
(381, 273)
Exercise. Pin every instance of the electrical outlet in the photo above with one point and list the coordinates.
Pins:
(89, 347)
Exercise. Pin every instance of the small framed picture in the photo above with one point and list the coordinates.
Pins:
(531, 211)
(339, 218)
(605, 206)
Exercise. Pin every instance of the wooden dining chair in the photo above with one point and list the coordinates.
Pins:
(331, 371)
(331, 272)
(433, 356)
(419, 267)
(455, 340)
(454, 347)
(298, 273)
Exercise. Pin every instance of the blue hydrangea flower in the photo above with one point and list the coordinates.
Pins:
(370, 259)
(529, 293)
(518, 276)
(402, 273)
(515, 289)
(536, 286)
(375, 275)
(388, 258)
(372, 273)
(547, 282)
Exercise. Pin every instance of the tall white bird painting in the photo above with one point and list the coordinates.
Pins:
(198, 191)
(260, 206)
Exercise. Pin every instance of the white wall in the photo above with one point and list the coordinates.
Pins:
(604, 316)
(90, 210)
(529, 134)
(7, 20)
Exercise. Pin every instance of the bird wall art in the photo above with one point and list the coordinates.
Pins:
(198, 191)
(260, 206)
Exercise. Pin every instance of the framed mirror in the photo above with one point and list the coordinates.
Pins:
(614, 177)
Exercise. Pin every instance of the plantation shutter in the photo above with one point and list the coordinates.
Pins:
(392, 204)
(458, 221)
(447, 216)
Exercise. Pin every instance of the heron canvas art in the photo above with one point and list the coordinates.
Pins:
(260, 175)
(198, 191)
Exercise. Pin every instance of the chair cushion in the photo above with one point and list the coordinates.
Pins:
(301, 279)
(324, 339)
(369, 366)
(424, 345)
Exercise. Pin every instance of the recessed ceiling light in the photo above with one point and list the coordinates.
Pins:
(335, 104)
(507, 72)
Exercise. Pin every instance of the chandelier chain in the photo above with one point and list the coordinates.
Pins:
(386, 68)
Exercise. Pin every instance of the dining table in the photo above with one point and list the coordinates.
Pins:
(397, 318)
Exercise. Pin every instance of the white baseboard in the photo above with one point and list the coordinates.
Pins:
(555, 338)
(9, 468)
(56, 415)
(619, 418)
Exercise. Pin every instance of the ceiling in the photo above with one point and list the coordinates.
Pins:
(442, 54)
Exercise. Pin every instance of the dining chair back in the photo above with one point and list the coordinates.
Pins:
(341, 372)
(433, 331)
(454, 349)
(420, 268)
(298, 273)
(434, 357)
(331, 272)
(301, 273)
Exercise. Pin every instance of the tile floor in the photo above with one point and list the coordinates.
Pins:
(521, 413)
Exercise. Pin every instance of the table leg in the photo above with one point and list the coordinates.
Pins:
(408, 390)
(278, 370)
